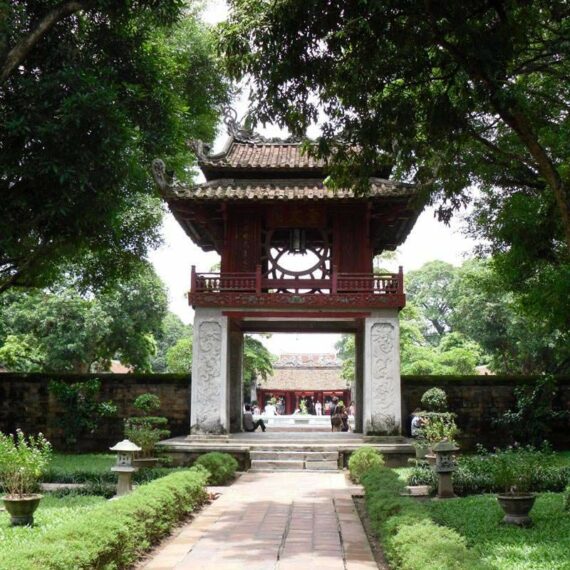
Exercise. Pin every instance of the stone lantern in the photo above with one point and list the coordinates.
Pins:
(444, 467)
(124, 467)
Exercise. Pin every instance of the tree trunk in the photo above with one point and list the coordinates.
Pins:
(18, 53)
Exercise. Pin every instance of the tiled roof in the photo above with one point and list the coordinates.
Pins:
(283, 189)
(308, 360)
(262, 155)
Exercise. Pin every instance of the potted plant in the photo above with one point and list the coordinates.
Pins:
(146, 430)
(23, 460)
(513, 472)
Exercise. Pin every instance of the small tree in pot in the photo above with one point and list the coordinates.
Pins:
(23, 460)
(146, 430)
(513, 472)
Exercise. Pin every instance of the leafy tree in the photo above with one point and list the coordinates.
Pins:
(450, 93)
(498, 320)
(64, 331)
(91, 92)
(179, 356)
(172, 330)
(345, 351)
(257, 361)
(428, 288)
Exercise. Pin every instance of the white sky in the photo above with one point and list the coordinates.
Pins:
(428, 240)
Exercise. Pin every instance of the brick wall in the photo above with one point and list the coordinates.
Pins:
(478, 400)
(26, 402)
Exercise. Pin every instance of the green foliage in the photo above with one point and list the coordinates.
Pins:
(438, 426)
(171, 331)
(544, 546)
(408, 535)
(146, 430)
(104, 92)
(23, 460)
(66, 330)
(455, 95)
(81, 410)
(362, 460)
(567, 498)
(116, 533)
(54, 511)
(221, 467)
(526, 469)
(179, 356)
(257, 361)
(345, 350)
(534, 415)
(147, 403)
(434, 400)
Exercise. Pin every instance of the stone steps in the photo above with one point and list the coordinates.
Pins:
(293, 460)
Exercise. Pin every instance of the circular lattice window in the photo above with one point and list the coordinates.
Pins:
(297, 254)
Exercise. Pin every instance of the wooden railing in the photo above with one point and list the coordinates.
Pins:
(385, 283)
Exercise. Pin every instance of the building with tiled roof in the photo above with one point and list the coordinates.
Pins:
(300, 376)
(296, 256)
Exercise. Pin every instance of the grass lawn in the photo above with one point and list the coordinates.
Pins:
(51, 512)
(79, 468)
(545, 546)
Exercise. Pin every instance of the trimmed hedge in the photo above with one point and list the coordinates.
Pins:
(362, 460)
(116, 534)
(410, 538)
(221, 467)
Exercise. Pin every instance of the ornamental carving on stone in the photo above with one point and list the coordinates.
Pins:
(384, 385)
(208, 383)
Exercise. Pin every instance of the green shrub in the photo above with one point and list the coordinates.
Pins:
(362, 460)
(567, 498)
(146, 430)
(147, 403)
(221, 467)
(525, 468)
(434, 400)
(411, 540)
(117, 533)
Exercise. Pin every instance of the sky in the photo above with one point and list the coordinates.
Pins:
(428, 240)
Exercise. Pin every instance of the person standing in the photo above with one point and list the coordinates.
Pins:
(270, 409)
(318, 408)
(334, 404)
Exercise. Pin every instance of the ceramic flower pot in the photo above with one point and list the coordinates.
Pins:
(21, 509)
(517, 507)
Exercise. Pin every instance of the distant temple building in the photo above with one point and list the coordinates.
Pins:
(299, 376)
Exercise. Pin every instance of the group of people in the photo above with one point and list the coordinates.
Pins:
(336, 409)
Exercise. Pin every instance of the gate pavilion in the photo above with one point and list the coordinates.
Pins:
(296, 256)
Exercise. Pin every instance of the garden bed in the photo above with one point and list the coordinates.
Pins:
(464, 533)
(94, 533)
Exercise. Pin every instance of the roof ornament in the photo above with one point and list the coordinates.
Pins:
(237, 131)
(160, 175)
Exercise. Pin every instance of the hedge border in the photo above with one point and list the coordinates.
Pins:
(409, 537)
(117, 533)
(484, 380)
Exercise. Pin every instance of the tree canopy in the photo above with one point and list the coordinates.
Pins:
(65, 331)
(91, 91)
(450, 93)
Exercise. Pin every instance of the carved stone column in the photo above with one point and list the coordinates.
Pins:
(209, 408)
(382, 396)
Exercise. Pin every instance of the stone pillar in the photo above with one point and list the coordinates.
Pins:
(358, 380)
(209, 409)
(382, 396)
(236, 379)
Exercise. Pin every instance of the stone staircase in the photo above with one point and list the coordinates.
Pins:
(280, 459)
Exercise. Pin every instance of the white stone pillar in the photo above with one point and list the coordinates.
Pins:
(209, 407)
(382, 397)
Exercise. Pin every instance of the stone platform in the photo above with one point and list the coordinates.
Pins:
(246, 447)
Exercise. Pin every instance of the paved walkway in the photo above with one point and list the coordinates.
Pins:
(272, 521)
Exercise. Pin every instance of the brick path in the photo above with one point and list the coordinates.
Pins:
(272, 521)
